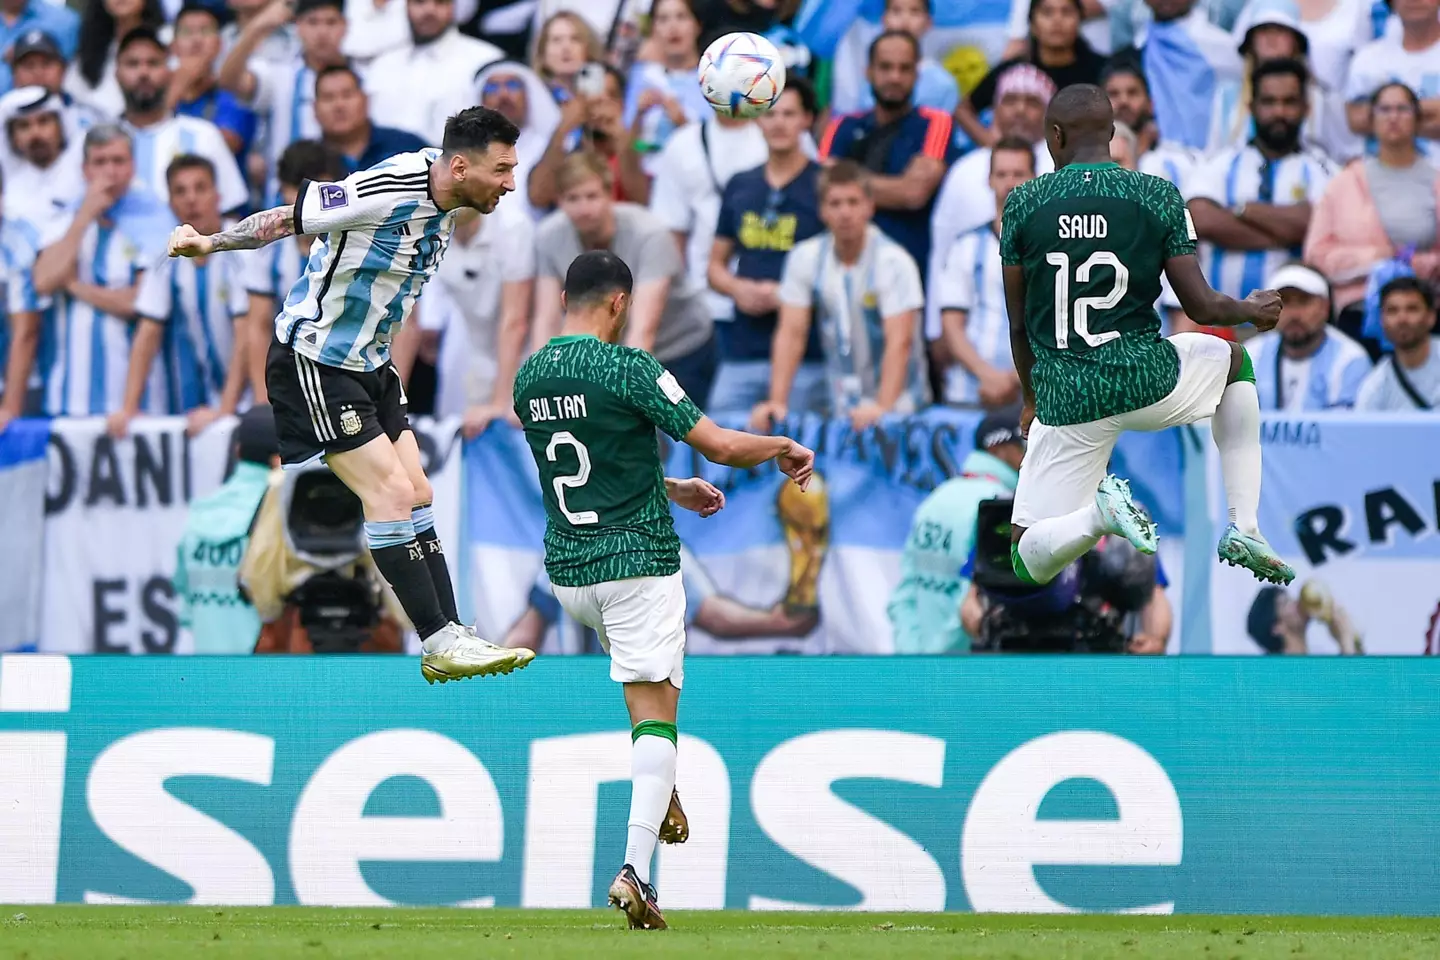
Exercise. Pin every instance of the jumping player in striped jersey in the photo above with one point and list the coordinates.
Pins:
(335, 392)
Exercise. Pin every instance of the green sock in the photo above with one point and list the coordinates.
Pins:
(654, 728)
(1247, 369)
(1018, 565)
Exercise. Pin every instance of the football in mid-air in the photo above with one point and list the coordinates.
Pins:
(742, 75)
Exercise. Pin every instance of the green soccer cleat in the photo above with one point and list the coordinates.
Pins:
(1254, 554)
(1122, 516)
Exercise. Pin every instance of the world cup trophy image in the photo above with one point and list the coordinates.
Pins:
(805, 518)
(1318, 603)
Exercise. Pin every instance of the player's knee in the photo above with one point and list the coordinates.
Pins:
(423, 492)
(394, 494)
(1016, 532)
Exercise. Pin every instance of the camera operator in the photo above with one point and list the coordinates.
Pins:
(1112, 600)
(309, 575)
(217, 530)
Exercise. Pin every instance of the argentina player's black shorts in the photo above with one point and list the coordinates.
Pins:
(322, 409)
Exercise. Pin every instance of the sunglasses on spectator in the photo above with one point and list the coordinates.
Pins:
(508, 85)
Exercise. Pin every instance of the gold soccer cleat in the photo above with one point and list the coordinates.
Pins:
(676, 828)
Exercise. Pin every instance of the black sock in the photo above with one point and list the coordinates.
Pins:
(403, 566)
(439, 572)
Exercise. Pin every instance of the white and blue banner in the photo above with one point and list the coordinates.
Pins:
(22, 491)
(1352, 501)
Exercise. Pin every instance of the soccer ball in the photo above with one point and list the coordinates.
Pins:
(742, 75)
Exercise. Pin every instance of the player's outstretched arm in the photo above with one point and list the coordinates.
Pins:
(254, 231)
(736, 449)
(696, 495)
(1210, 308)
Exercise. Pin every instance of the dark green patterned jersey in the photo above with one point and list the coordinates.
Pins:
(590, 410)
(1092, 239)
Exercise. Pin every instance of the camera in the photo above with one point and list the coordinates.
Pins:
(1085, 609)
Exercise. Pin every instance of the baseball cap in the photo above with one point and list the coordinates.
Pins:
(35, 41)
(1298, 276)
(1027, 80)
(999, 428)
(255, 435)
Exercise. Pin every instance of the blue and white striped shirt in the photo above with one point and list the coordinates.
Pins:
(380, 238)
(285, 98)
(157, 145)
(1243, 175)
(272, 270)
(973, 281)
(198, 303)
(1327, 379)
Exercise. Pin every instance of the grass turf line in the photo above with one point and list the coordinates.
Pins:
(280, 933)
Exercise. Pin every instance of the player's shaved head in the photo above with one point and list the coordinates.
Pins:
(1079, 124)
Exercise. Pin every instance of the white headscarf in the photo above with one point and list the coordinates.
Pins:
(535, 133)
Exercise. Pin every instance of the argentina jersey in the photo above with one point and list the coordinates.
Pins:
(272, 270)
(973, 282)
(1243, 175)
(380, 237)
(198, 304)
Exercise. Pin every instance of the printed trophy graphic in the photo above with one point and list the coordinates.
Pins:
(805, 518)
(1318, 603)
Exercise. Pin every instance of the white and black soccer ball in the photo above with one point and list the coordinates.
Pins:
(742, 75)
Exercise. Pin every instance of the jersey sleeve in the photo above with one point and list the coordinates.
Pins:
(658, 396)
(1011, 220)
(20, 295)
(1174, 220)
(237, 297)
(797, 281)
(898, 283)
(152, 299)
(1207, 181)
(257, 271)
(955, 286)
(361, 201)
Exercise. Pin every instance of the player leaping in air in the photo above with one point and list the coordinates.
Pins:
(590, 409)
(1083, 251)
(335, 392)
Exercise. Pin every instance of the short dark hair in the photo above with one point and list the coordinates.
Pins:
(188, 161)
(191, 7)
(1410, 285)
(332, 69)
(140, 35)
(303, 7)
(596, 274)
(929, 6)
(309, 160)
(802, 89)
(1124, 64)
(1260, 621)
(892, 35)
(843, 173)
(473, 129)
(1414, 98)
(1014, 145)
(1285, 67)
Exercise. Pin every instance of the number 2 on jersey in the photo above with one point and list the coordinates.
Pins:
(578, 479)
(1083, 306)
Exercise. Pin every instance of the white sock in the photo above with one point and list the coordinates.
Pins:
(1052, 545)
(652, 778)
(1236, 428)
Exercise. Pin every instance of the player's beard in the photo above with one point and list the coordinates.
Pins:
(141, 100)
(1281, 136)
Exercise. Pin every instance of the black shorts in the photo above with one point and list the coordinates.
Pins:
(321, 409)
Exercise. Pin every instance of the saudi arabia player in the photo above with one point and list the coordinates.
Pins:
(590, 409)
(1083, 251)
(336, 394)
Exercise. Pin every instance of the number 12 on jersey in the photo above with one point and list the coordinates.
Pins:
(1083, 305)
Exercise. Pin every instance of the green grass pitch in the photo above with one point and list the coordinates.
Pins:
(280, 933)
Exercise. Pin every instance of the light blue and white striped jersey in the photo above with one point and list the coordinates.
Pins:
(379, 238)
(1243, 175)
(272, 270)
(285, 99)
(157, 145)
(1169, 161)
(198, 303)
(18, 241)
(973, 281)
(1327, 379)
(92, 348)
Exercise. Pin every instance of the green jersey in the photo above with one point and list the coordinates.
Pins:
(590, 410)
(1092, 240)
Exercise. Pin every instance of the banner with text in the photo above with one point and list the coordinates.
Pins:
(1353, 503)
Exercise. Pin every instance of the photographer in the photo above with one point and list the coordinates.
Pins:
(1112, 600)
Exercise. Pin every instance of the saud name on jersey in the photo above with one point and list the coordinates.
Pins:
(558, 408)
(1083, 226)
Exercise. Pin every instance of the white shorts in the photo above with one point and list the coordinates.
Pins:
(641, 624)
(1063, 466)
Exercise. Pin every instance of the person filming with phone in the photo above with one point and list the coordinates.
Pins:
(594, 119)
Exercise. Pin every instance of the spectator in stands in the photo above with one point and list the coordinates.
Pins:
(377, 27)
(1413, 59)
(522, 97)
(764, 213)
(1125, 146)
(864, 292)
(91, 80)
(418, 86)
(562, 48)
(935, 86)
(753, 16)
(342, 109)
(276, 49)
(594, 123)
(1374, 209)
(217, 530)
(1056, 47)
(1408, 379)
(159, 135)
(975, 327)
(924, 610)
(1305, 363)
(194, 89)
(1251, 204)
(906, 148)
(42, 168)
(669, 316)
(1130, 99)
(37, 60)
(23, 330)
(91, 267)
(662, 95)
(272, 270)
(191, 313)
(20, 18)
(1184, 56)
(283, 94)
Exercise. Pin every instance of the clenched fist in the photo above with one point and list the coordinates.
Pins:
(186, 241)
(1267, 309)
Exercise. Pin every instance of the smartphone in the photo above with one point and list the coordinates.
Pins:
(590, 81)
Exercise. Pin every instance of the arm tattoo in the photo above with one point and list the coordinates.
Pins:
(257, 230)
